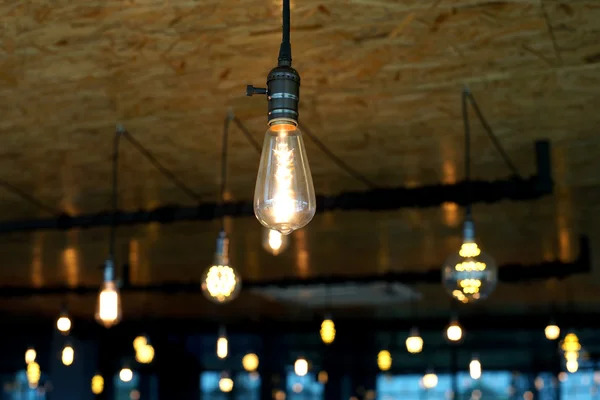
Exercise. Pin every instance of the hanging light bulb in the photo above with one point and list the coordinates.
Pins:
(475, 368)
(572, 366)
(144, 354)
(301, 367)
(284, 196)
(470, 274)
(323, 377)
(429, 380)
(552, 331)
(126, 374)
(327, 330)
(274, 242)
(139, 342)
(108, 309)
(30, 355)
(97, 384)
(454, 332)
(67, 355)
(221, 283)
(384, 360)
(414, 342)
(225, 384)
(34, 374)
(250, 362)
(222, 344)
(63, 323)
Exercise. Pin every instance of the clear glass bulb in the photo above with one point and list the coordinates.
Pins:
(470, 274)
(274, 241)
(284, 197)
(552, 331)
(220, 282)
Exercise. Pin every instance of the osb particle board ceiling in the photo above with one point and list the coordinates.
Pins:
(381, 84)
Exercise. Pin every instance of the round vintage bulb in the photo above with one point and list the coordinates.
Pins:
(97, 384)
(126, 375)
(220, 282)
(327, 331)
(470, 274)
(454, 332)
(572, 366)
(139, 342)
(429, 380)
(30, 355)
(284, 196)
(250, 362)
(552, 332)
(225, 385)
(475, 368)
(414, 342)
(63, 323)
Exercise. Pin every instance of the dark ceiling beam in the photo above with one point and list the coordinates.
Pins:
(510, 273)
(380, 199)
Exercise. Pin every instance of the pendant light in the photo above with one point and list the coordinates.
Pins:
(284, 196)
(470, 274)
(63, 323)
(108, 307)
(221, 282)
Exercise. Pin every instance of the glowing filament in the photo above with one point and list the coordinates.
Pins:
(221, 281)
(327, 331)
(222, 347)
(469, 250)
(470, 266)
(470, 286)
(275, 240)
(284, 204)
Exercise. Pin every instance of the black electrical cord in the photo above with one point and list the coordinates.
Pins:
(248, 135)
(29, 198)
(492, 136)
(115, 187)
(467, 127)
(285, 50)
(162, 169)
(351, 171)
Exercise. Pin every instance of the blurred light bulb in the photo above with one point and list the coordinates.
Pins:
(454, 332)
(139, 342)
(34, 374)
(571, 355)
(221, 283)
(301, 367)
(570, 343)
(97, 384)
(323, 377)
(429, 380)
(384, 360)
(552, 332)
(30, 356)
(250, 362)
(414, 342)
(475, 368)
(126, 375)
(144, 354)
(274, 242)
(327, 331)
(470, 274)
(222, 344)
(67, 356)
(572, 366)
(108, 308)
(284, 197)
(63, 323)
(225, 385)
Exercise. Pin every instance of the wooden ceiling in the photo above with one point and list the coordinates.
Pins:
(381, 84)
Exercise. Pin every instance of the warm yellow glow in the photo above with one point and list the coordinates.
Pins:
(323, 377)
(475, 369)
(30, 356)
(414, 344)
(225, 385)
(454, 332)
(221, 282)
(572, 366)
(571, 355)
(222, 347)
(139, 342)
(283, 202)
(144, 354)
(429, 381)
(126, 375)
(301, 367)
(571, 343)
(470, 266)
(552, 332)
(63, 324)
(250, 362)
(109, 305)
(275, 240)
(279, 395)
(33, 374)
(469, 250)
(327, 331)
(470, 286)
(384, 360)
(68, 355)
(97, 384)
